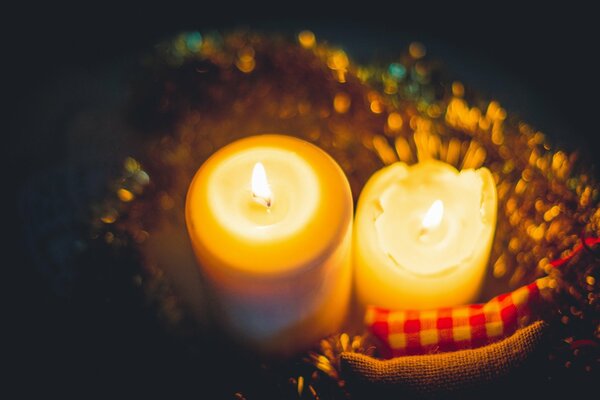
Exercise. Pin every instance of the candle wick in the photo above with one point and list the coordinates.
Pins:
(266, 201)
(423, 232)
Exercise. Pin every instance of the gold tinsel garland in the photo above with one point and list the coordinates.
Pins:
(198, 92)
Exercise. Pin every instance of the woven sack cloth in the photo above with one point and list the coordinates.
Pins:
(494, 370)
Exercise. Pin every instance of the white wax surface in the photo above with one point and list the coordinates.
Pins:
(294, 185)
(403, 206)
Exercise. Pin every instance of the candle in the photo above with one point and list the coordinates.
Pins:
(270, 221)
(423, 234)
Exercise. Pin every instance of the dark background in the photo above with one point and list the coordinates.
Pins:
(540, 63)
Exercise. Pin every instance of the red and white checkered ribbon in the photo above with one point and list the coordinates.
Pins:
(406, 332)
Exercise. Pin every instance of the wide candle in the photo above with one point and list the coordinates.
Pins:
(270, 222)
(423, 234)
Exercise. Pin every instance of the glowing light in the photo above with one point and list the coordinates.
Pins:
(261, 191)
(246, 54)
(246, 67)
(376, 107)
(417, 50)
(193, 41)
(307, 39)
(124, 195)
(434, 215)
(341, 102)
(395, 121)
(245, 60)
(375, 102)
(384, 150)
(458, 89)
(338, 60)
(131, 165)
(397, 71)
(110, 216)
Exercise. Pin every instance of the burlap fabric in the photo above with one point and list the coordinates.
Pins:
(494, 370)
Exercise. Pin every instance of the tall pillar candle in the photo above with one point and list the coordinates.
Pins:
(270, 221)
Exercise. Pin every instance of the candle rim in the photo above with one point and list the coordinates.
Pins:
(399, 170)
(332, 182)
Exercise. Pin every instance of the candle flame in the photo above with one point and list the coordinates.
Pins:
(261, 191)
(433, 216)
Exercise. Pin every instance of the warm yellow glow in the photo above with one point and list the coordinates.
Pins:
(395, 121)
(306, 232)
(124, 195)
(245, 60)
(338, 60)
(434, 215)
(307, 39)
(376, 107)
(458, 89)
(342, 102)
(261, 191)
(418, 245)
